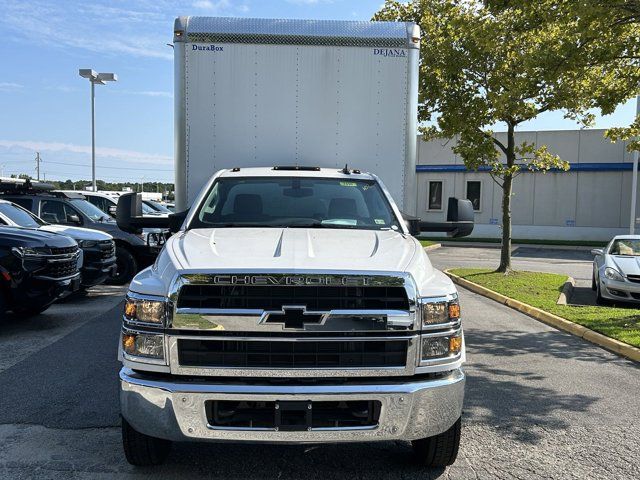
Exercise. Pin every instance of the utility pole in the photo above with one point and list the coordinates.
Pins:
(38, 165)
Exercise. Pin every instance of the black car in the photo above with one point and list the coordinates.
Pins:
(133, 252)
(36, 268)
(98, 248)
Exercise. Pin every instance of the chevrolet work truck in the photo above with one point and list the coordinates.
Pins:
(293, 303)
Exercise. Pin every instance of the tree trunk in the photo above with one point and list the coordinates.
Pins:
(507, 189)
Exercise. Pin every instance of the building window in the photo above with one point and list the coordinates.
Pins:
(474, 189)
(435, 196)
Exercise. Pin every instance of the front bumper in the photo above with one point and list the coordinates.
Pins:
(625, 291)
(95, 273)
(175, 410)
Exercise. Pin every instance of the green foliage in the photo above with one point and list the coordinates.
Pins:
(504, 62)
(541, 290)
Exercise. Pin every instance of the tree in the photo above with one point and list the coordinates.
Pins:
(504, 62)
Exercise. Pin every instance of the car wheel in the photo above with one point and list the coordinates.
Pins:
(600, 300)
(594, 287)
(143, 450)
(3, 304)
(439, 450)
(126, 267)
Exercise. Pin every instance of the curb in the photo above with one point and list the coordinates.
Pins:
(547, 318)
(567, 291)
(432, 247)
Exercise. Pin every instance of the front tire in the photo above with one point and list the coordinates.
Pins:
(600, 300)
(439, 450)
(142, 450)
(127, 267)
(26, 312)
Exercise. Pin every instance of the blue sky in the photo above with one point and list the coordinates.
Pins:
(44, 104)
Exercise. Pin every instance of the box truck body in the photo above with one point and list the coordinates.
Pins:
(260, 92)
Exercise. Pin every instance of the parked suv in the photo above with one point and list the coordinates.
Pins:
(36, 268)
(98, 248)
(133, 251)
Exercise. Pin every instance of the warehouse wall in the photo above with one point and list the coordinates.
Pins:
(589, 202)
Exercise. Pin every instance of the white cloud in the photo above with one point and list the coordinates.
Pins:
(148, 93)
(116, 153)
(10, 86)
(212, 6)
(309, 2)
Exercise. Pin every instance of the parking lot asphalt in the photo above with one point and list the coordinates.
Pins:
(539, 404)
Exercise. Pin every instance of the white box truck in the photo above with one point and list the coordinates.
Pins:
(293, 303)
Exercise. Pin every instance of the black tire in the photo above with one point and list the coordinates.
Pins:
(3, 304)
(29, 311)
(440, 450)
(600, 300)
(142, 450)
(127, 267)
(594, 287)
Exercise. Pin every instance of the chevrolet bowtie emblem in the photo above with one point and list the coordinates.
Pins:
(292, 316)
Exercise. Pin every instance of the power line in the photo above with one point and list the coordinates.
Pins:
(113, 168)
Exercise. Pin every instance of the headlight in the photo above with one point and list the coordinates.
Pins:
(613, 274)
(441, 346)
(440, 311)
(145, 310)
(143, 344)
(87, 243)
(30, 252)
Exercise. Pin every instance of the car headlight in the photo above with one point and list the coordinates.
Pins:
(30, 252)
(437, 312)
(144, 310)
(87, 243)
(441, 346)
(150, 345)
(613, 274)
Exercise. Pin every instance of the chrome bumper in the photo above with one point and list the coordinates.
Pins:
(176, 410)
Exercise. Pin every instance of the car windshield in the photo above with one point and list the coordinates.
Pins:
(296, 202)
(89, 209)
(625, 247)
(20, 216)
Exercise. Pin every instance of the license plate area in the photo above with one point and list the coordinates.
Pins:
(292, 416)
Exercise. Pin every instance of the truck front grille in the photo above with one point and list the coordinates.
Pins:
(292, 354)
(107, 249)
(60, 268)
(316, 298)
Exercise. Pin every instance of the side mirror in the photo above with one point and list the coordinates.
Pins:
(459, 219)
(597, 251)
(74, 219)
(176, 220)
(112, 210)
(129, 215)
(413, 224)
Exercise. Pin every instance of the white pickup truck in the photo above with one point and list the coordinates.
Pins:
(293, 303)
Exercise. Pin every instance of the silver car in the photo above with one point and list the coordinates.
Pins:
(616, 270)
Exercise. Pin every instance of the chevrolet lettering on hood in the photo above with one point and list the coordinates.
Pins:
(291, 280)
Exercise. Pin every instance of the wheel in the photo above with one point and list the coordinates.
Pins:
(439, 450)
(143, 450)
(126, 267)
(600, 300)
(594, 287)
(3, 304)
(29, 311)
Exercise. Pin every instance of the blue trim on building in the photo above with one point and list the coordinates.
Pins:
(574, 167)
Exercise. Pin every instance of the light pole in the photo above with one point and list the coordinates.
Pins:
(634, 182)
(99, 79)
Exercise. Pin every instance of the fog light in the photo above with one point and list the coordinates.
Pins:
(143, 345)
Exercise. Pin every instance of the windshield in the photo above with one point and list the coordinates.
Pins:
(20, 216)
(89, 209)
(625, 247)
(296, 202)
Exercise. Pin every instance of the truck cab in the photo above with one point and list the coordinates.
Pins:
(293, 304)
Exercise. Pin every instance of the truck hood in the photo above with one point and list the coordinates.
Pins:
(290, 249)
(27, 237)
(77, 233)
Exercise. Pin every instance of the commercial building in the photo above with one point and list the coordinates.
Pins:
(589, 202)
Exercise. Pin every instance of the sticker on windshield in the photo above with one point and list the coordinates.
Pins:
(379, 221)
(349, 184)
